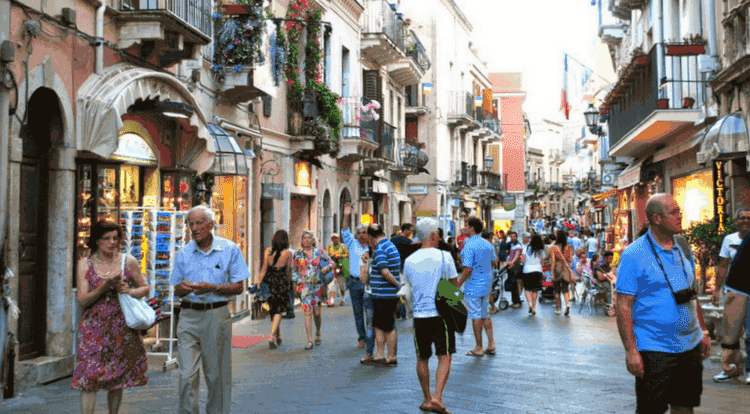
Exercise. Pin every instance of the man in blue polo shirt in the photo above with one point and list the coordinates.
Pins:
(658, 314)
(360, 302)
(478, 255)
(384, 280)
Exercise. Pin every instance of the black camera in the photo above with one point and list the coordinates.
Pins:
(684, 296)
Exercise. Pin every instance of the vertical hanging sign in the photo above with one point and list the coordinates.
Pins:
(720, 212)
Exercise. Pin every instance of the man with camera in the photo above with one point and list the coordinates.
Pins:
(658, 315)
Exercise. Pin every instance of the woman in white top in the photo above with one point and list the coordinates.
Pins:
(532, 271)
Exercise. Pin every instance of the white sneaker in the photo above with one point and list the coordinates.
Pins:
(557, 312)
(722, 377)
(747, 379)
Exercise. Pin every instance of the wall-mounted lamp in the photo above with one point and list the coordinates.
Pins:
(176, 109)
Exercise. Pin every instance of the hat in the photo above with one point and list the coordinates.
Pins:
(336, 235)
(526, 234)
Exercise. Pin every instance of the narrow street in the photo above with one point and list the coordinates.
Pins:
(544, 364)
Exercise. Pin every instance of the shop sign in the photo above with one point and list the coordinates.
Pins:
(499, 214)
(455, 203)
(425, 213)
(418, 189)
(509, 203)
(469, 204)
(604, 195)
(365, 188)
(629, 179)
(133, 149)
(272, 191)
(720, 212)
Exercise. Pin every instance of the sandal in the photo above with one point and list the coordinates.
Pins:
(367, 360)
(278, 340)
(391, 363)
(272, 344)
(474, 353)
(490, 351)
(318, 341)
(309, 346)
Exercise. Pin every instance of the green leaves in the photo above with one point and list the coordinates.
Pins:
(706, 240)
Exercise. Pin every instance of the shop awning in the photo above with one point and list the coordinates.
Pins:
(673, 150)
(379, 187)
(401, 198)
(230, 159)
(103, 99)
(630, 176)
(728, 137)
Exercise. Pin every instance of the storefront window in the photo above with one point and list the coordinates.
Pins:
(694, 194)
(107, 194)
(85, 210)
(230, 204)
(130, 186)
(176, 192)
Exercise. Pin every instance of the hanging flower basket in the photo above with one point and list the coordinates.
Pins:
(685, 50)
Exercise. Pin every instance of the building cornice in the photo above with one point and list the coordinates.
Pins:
(452, 6)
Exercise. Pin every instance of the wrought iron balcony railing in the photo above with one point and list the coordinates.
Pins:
(196, 13)
(416, 51)
(490, 180)
(381, 17)
(461, 106)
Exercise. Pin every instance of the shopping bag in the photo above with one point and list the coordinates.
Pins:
(448, 302)
(138, 314)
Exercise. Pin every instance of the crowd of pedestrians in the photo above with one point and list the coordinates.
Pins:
(653, 290)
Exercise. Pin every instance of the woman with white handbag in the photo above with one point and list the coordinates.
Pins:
(111, 355)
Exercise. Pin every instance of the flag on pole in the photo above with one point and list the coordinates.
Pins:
(426, 88)
(564, 105)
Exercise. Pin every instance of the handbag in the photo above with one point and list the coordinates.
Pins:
(326, 278)
(138, 314)
(262, 290)
(448, 301)
(561, 270)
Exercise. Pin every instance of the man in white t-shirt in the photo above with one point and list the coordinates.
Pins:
(423, 270)
(729, 247)
(592, 245)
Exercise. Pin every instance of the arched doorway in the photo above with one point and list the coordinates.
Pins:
(327, 220)
(42, 131)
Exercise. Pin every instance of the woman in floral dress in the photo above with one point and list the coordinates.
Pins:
(110, 355)
(309, 263)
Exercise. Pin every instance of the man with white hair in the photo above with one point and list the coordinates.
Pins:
(207, 272)
(423, 270)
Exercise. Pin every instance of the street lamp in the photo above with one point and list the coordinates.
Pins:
(488, 162)
(592, 117)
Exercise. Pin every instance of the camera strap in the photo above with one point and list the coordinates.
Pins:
(658, 260)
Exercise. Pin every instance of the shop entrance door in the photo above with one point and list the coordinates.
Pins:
(300, 219)
(32, 269)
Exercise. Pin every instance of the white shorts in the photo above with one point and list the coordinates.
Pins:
(477, 306)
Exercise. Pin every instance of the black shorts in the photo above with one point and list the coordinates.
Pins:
(560, 286)
(428, 331)
(670, 380)
(384, 314)
(533, 281)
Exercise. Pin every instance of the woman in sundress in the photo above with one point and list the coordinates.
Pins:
(309, 263)
(276, 272)
(110, 355)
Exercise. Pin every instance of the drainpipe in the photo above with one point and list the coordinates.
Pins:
(659, 39)
(100, 38)
(6, 352)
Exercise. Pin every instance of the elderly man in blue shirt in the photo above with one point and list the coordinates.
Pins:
(478, 256)
(357, 247)
(658, 314)
(207, 272)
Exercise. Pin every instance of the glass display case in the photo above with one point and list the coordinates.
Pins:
(97, 198)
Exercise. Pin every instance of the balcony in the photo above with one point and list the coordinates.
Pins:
(382, 33)
(461, 177)
(489, 181)
(460, 108)
(412, 160)
(384, 156)
(736, 59)
(163, 31)
(645, 112)
(492, 124)
(356, 144)
(415, 105)
(410, 69)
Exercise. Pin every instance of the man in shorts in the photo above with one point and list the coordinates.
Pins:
(658, 315)
(478, 255)
(423, 270)
(384, 281)
(340, 254)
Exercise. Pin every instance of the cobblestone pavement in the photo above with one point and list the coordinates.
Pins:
(544, 364)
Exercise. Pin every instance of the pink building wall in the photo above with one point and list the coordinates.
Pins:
(511, 114)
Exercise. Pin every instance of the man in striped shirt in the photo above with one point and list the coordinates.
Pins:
(384, 281)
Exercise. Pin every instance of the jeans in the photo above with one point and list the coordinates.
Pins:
(357, 294)
(747, 341)
(369, 310)
(514, 276)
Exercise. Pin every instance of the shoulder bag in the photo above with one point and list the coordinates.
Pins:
(560, 268)
(138, 314)
(449, 302)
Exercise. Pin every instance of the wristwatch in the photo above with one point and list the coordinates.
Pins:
(732, 347)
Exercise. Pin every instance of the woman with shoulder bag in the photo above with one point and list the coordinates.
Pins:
(532, 259)
(276, 272)
(562, 274)
(110, 355)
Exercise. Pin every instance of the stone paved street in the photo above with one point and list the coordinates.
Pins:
(545, 364)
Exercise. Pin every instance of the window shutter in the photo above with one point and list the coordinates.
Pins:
(267, 105)
(373, 90)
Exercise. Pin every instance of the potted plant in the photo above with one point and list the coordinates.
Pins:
(692, 45)
(688, 102)
(238, 42)
(663, 103)
(706, 241)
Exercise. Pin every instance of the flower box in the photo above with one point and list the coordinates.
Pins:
(685, 50)
(663, 104)
(640, 60)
